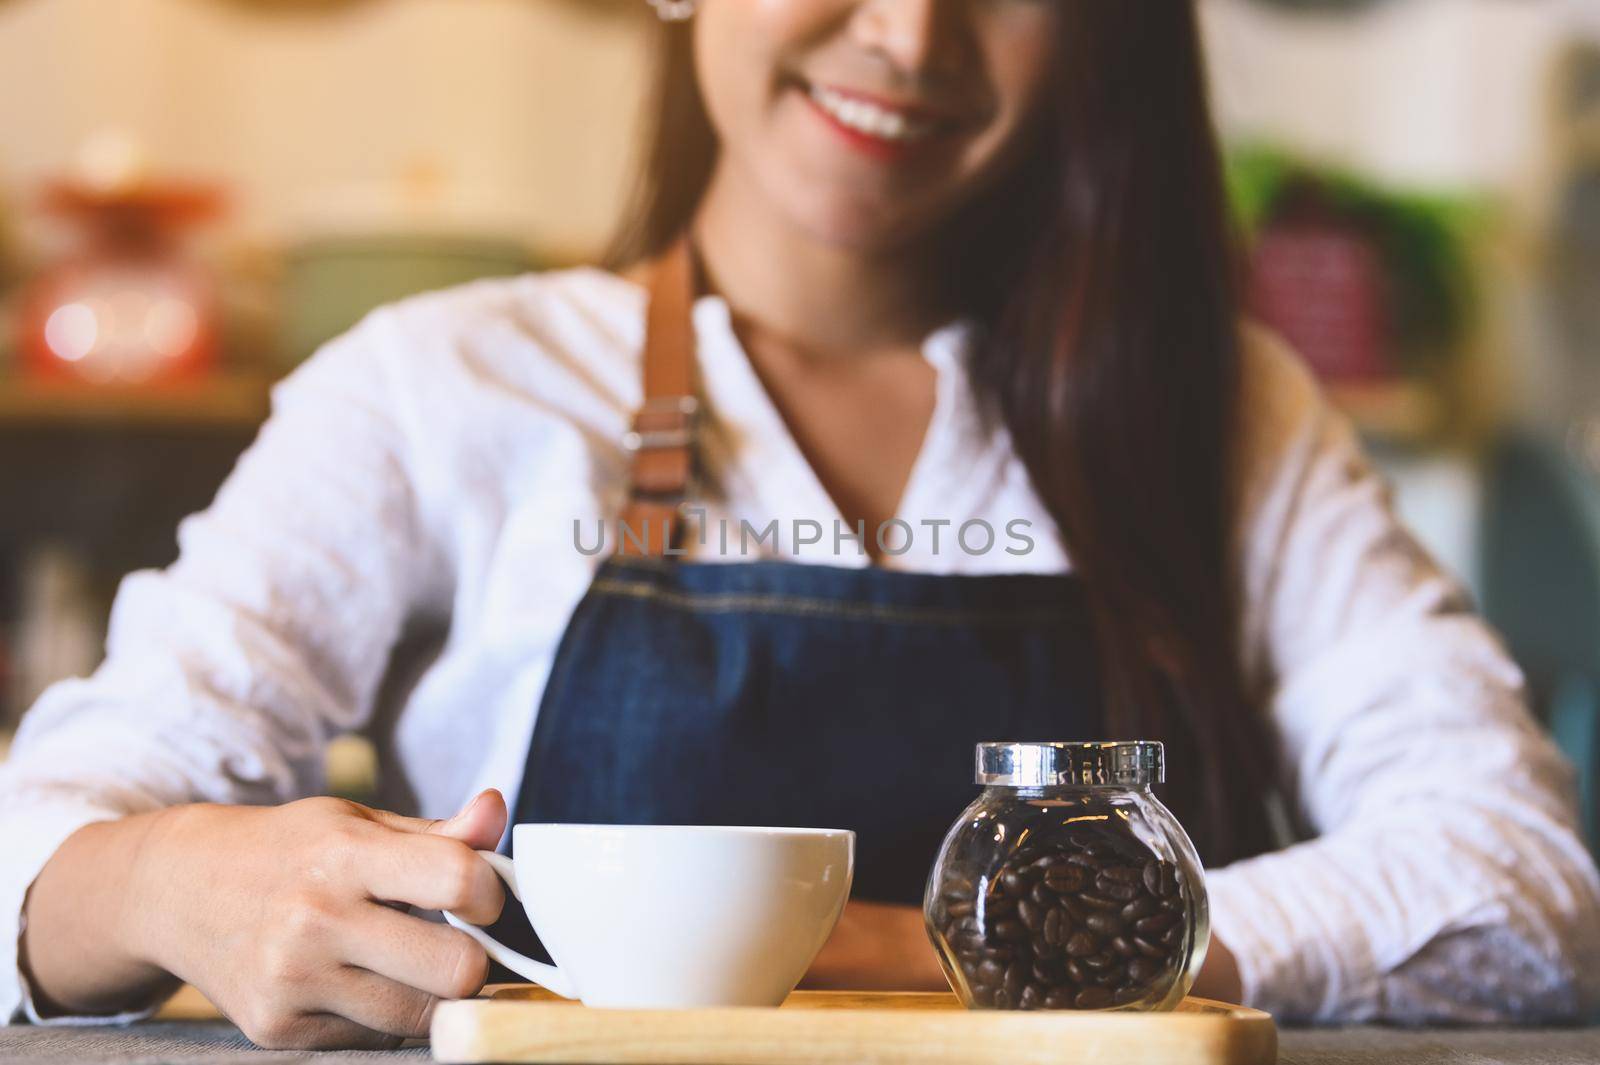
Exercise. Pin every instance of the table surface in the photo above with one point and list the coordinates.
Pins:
(221, 1042)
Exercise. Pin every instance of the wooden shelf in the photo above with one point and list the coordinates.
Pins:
(232, 401)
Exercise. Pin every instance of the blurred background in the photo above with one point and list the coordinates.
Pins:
(194, 194)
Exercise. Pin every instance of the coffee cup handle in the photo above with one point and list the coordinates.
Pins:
(546, 976)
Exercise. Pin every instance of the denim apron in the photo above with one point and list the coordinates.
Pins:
(787, 694)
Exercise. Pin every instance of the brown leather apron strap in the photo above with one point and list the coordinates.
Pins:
(663, 435)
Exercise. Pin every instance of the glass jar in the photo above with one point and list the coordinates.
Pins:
(1067, 884)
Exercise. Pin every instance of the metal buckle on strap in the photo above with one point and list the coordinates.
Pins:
(682, 409)
(657, 440)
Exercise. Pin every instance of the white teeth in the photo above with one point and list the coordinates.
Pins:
(869, 118)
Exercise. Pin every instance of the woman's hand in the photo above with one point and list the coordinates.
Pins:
(290, 919)
(880, 947)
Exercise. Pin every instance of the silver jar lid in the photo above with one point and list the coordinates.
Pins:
(1136, 763)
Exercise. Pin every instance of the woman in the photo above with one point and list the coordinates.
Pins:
(910, 267)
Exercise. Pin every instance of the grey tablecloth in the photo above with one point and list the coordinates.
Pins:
(218, 1041)
(160, 1042)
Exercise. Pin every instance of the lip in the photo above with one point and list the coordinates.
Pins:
(915, 111)
(877, 147)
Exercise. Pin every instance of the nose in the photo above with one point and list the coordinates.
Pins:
(917, 36)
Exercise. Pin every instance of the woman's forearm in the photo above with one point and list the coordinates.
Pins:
(877, 946)
(82, 919)
(1219, 976)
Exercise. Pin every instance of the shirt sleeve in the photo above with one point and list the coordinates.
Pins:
(227, 673)
(1445, 879)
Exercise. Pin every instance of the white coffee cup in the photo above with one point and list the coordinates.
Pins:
(673, 917)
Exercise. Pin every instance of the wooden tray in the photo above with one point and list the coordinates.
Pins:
(526, 1024)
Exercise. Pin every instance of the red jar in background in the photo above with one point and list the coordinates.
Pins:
(129, 306)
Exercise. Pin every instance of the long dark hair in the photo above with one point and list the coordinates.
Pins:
(1104, 271)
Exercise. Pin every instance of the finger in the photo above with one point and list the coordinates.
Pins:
(321, 1031)
(433, 873)
(378, 1003)
(479, 824)
(430, 957)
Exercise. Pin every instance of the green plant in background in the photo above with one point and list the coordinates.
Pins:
(1423, 238)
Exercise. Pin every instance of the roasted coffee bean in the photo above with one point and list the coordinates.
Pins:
(1172, 936)
(995, 908)
(1125, 874)
(1032, 914)
(1044, 863)
(1081, 945)
(1098, 903)
(1054, 922)
(1116, 889)
(1031, 998)
(1013, 883)
(1151, 875)
(1010, 931)
(1049, 971)
(1065, 878)
(1104, 924)
(1059, 998)
(1128, 994)
(1041, 895)
(958, 888)
(1016, 979)
(1099, 962)
(1076, 971)
(1155, 924)
(1093, 998)
(962, 908)
(1149, 949)
(1141, 907)
(1124, 946)
(966, 942)
(1000, 952)
(1142, 970)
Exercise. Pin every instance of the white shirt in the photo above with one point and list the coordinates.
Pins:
(417, 484)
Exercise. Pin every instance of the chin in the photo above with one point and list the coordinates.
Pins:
(853, 223)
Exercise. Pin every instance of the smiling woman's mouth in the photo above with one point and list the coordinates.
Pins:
(865, 116)
(873, 124)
